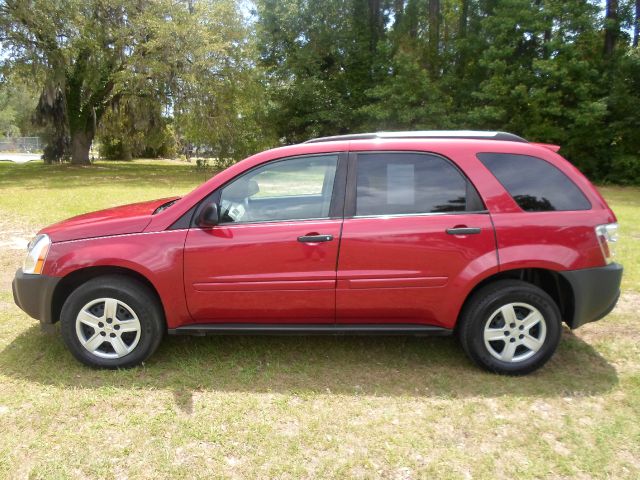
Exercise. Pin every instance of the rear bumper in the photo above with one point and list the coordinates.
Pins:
(595, 292)
(34, 295)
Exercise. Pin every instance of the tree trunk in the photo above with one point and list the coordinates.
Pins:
(376, 25)
(636, 24)
(434, 35)
(398, 11)
(611, 27)
(462, 37)
(126, 149)
(464, 18)
(80, 146)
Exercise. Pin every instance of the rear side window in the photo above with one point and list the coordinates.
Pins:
(396, 183)
(535, 184)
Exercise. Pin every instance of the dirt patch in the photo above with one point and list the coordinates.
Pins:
(618, 324)
(14, 234)
(14, 237)
(629, 303)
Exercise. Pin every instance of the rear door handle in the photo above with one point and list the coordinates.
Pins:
(463, 231)
(315, 238)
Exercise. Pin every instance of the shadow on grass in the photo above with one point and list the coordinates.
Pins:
(381, 366)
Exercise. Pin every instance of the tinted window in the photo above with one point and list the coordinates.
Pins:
(406, 183)
(293, 189)
(535, 184)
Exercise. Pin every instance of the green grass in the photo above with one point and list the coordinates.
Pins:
(41, 194)
(625, 202)
(292, 407)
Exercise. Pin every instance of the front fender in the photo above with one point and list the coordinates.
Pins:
(157, 256)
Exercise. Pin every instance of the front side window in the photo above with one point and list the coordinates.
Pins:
(293, 189)
(535, 184)
(396, 183)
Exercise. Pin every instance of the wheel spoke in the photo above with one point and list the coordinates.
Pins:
(132, 325)
(531, 343)
(532, 320)
(493, 334)
(94, 342)
(509, 314)
(110, 308)
(508, 352)
(88, 319)
(119, 346)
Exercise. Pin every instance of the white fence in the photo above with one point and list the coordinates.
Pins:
(21, 144)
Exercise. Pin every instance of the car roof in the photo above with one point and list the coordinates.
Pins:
(424, 134)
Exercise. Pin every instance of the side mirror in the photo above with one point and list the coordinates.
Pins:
(209, 216)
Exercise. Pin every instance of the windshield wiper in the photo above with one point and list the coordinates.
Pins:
(164, 206)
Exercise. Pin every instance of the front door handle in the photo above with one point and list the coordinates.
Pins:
(315, 238)
(463, 231)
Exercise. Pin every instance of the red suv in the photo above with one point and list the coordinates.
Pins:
(482, 234)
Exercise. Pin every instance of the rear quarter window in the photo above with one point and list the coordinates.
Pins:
(535, 184)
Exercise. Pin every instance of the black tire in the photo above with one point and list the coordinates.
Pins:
(480, 309)
(137, 296)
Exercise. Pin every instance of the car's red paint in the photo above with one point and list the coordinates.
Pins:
(261, 273)
(550, 146)
(408, 269)
(156, 256)
(399, 269)
(112, 221)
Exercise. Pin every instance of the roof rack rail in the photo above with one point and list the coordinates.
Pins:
(466, 134)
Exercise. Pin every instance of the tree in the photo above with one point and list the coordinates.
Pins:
(220, 106)
(434, 35)
(319, 59)
(94, 53)
(636, 24)
(18, 99)
(611, 28)
(136, 127)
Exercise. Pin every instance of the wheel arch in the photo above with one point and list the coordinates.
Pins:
(551, 281)
(73, 280)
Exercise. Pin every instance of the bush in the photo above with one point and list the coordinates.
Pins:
(625, 170)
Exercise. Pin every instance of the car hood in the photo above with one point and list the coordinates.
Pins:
(131, 218)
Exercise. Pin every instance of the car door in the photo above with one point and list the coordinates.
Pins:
(414, 227)
(272, 257)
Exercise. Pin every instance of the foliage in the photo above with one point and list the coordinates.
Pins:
(217, 113)
(210, 79)
(320, 58)
(18, 100)
(535, 68)
(95, 54)
(135, 127)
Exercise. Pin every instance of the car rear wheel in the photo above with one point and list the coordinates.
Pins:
(510, 327)
(112, 322)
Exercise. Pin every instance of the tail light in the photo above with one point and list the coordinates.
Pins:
(607, 237)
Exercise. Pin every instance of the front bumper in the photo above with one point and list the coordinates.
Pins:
(34, 295)
(595, 292)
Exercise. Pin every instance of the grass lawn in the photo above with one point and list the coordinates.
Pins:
(297, 407)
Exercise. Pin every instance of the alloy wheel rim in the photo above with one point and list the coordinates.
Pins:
(515, 332)
(108, 328)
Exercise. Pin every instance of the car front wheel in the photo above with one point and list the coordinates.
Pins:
(510, 327)
(112, 322)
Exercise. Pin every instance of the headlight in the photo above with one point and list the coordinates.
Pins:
(36, 255)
